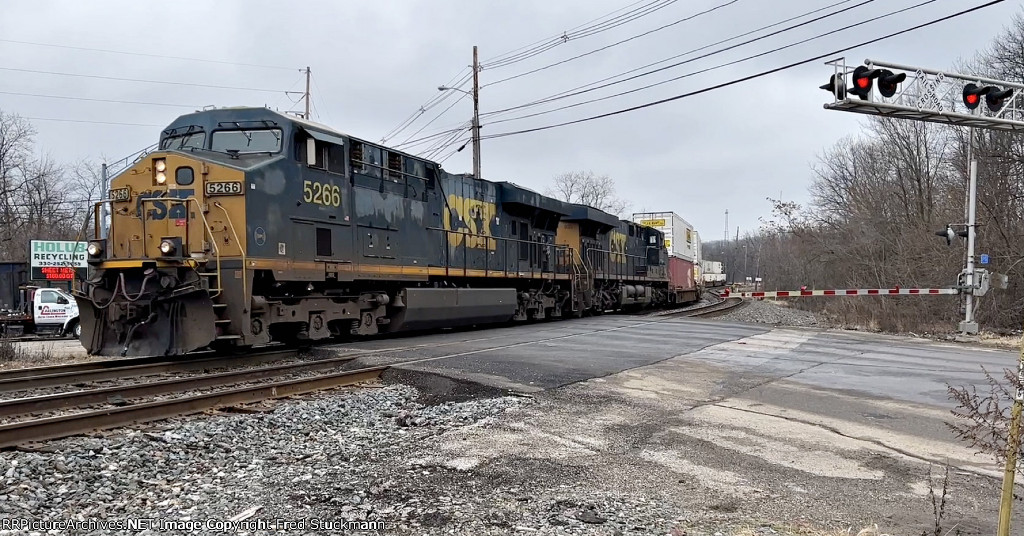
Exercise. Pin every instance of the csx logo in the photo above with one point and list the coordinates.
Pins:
(160, 210)
(617, 245)
(475, 219)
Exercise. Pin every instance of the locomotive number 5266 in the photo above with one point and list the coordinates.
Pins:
(321, 194)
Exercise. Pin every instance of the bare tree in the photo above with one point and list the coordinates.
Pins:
(39, 198)
(588, 188)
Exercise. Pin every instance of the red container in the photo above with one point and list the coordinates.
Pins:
(680, 274)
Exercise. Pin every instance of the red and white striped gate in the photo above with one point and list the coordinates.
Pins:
(726, 293)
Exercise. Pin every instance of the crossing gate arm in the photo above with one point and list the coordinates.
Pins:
(844, 292)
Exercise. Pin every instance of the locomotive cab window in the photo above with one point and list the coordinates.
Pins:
(184, 142)
(247, 141)
(326, 156)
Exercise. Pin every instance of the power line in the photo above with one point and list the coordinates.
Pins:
(708, 69)
(138, 80)
(438, 98)
(606, 47)
(319, 93)
(143, 54)
(420, 141)
(746, 78)
(93, 122)
(516, 55)
(436, 117)
(576, 90)
(99, 100)
(578, 32)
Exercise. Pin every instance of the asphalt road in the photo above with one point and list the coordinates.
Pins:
(841, 429)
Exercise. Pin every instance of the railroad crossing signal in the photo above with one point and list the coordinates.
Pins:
(949, 234)
(836, 86)
(973, 94)
(863, 78)
(889, 82)
(926, 95)
(996, 98)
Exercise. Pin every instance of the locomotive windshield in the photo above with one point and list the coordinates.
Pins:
(247, 141)
(194, 140)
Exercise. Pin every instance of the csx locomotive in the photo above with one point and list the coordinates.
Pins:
(247, 226)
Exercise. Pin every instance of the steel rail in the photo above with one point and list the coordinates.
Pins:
(67, 425)
(186, 365)
(36, 404)
(95, 365)
(713, 309)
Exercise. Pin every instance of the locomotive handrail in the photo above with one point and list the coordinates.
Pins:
(206, 228)
(245, 292)
(630, 259)
(504, 240)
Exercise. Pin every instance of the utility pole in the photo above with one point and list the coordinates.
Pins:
(725, 238)
(476, 115)
(969, 326)
(306, 96)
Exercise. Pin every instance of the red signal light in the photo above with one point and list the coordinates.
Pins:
(973, 93)
(863, 79)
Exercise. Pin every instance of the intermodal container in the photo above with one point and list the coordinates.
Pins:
(680, 237)
(681, 274)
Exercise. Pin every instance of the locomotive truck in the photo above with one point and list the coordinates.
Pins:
(247, 226)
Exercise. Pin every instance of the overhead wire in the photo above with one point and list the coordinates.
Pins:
(425, 139)
(142, 54)
(117, 101)
(66, 120)
(577, 32)
(494, 62)
(735, 81)
(119, 79)
(576, 90)
(571, 92)
(617, 43)
(319, 93)
(436, 117)
(712, 68)
(442, 145)
(457, 81)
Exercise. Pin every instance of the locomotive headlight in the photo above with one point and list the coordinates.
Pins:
(159, 171)
(95, 249)
(166, 247)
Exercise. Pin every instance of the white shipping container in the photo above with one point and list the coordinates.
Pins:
(711, 267)
(680, 237)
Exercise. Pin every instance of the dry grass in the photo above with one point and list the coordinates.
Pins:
(1008, 342)
(804, 529)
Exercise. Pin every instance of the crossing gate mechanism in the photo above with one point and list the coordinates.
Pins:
(844, 292)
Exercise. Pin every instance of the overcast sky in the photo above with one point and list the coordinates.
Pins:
(375, 63)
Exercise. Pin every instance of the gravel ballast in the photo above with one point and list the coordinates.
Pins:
(770, 312)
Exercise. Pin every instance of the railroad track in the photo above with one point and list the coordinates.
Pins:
(224, 389)
(228, 388)
(717, 308)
